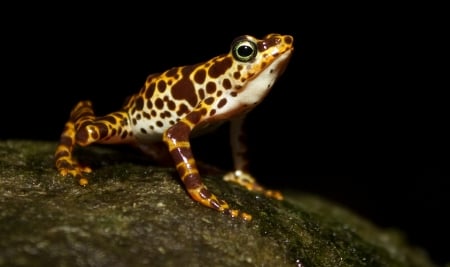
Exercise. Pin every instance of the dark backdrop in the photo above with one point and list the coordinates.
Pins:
(358, 117)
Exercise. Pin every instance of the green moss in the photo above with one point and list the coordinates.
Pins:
(135, 214)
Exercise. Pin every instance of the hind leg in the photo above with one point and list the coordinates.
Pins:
(241, 174)
(83, 129)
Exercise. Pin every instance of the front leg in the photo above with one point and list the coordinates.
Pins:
(177, 140)
(241, 175)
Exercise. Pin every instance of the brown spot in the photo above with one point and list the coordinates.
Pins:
(184, 89)
(226, 84)
(94, 135)
(204, 193)
(110, 119)
(210, 87)
(138, 116)
(209, 100)
(173, 72)
(179, 132)
(146, 115)
(214, 204)
(161, 86)
(159, 124)
(66, 141)
(183, 109)
(124, 135)
(201, 93)
(119, 115)
(102, 129)
(267, 43)
(288, 39)
(203, 111)
(212, 112)
(219, 93)
(236, 75)
(150, 91)
(171, 122)
(133, 121)
(139, 104)
(222, 102)
(153, 113)
(180, 154)
(159, 103)
(165, 114)
(143, 131)
(171, 105)
(192, 181)
(219, 67)
(194, 117)
(233, 94)
(199, 76)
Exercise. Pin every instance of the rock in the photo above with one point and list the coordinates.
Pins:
(133, 213)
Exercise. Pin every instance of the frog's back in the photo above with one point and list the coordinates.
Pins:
(212, 91)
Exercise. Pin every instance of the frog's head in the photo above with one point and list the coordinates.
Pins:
(257, 63)
(253, 56)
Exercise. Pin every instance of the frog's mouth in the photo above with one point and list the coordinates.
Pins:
(259, 85)
(283, 64)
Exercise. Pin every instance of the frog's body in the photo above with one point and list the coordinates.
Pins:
(182, 101)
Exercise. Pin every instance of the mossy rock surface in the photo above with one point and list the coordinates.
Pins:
(136, 214)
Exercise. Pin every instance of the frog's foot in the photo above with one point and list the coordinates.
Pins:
(206, 198)
(246, 180)
(73, 168)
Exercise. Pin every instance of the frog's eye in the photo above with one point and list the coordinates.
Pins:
(244, 50)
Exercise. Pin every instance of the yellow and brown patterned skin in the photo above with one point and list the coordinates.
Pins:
(182, 102)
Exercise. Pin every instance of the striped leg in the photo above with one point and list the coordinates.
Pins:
(177, 140)
(83, 128)
(241, 174)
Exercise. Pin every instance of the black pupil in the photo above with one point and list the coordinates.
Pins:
(245, 50)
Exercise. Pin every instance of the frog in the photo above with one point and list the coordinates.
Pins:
(181, 103)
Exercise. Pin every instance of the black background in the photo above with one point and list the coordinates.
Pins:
(359, 117)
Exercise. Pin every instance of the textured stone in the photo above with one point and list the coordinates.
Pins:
(135, 214)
